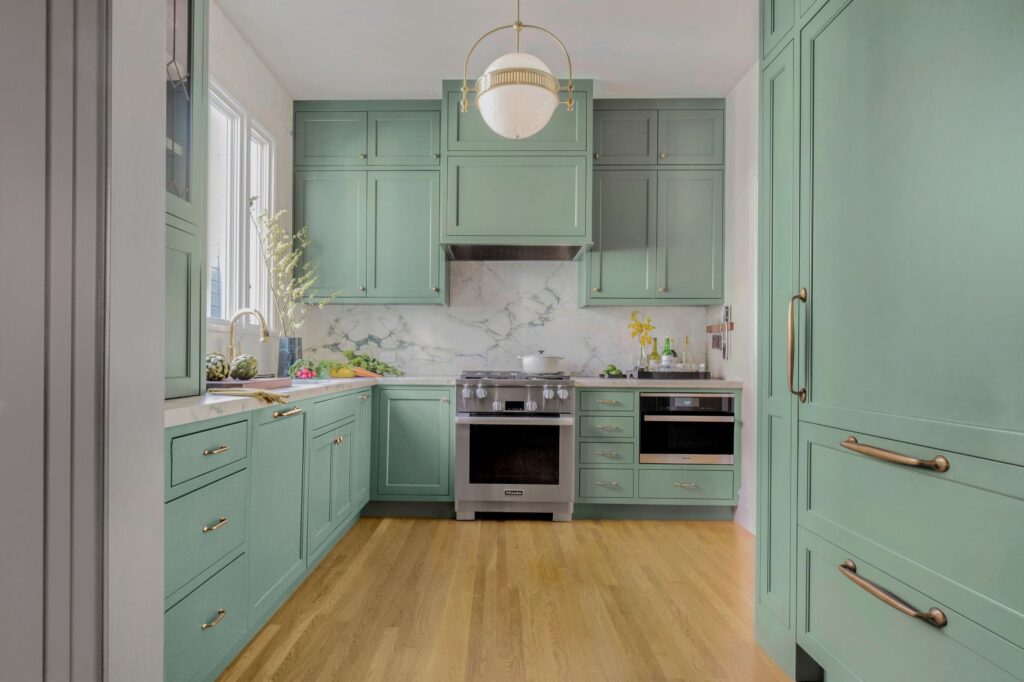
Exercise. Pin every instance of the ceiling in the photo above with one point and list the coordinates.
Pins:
(395, 49)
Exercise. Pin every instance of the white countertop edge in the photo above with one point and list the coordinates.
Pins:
(180, 411)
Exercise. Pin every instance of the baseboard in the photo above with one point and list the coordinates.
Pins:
(418, 510)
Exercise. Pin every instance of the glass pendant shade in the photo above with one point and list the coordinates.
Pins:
(517, 95)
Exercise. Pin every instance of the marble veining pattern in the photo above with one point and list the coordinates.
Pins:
(498, 310)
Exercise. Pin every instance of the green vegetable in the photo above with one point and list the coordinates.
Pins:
(244, 367)
(365, 361)
(299, 364)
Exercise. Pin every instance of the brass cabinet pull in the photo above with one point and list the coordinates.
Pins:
(364, 397)
(287, 413)
(216, 451)
(362, 288)
(607, 484)
(791, 346)
(607, 427)
(339, 440)
(217, 526)
(436, 155)
(608, 402)
(688, 486)
(609, 455)
(597, 290)
(662, 290)
(216, 621)
(436, 289)
(663, 155)
(939, 464)
(596, 155)
(932, 616)
(362, 156)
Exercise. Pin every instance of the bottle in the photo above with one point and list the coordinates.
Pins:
(668, 356)
(685, 358)
(654, 358)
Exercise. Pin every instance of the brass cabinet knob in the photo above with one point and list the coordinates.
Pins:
(436, 289)
(596, 289)
(362, 156)
(436, 155)
(362, 288)
(663, 155)
(339, 440)
(662, 290)
(597, 156)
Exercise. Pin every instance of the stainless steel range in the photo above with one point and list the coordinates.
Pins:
(514, 442)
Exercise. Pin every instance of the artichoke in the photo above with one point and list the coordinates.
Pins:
(243, 367)
(217, 367)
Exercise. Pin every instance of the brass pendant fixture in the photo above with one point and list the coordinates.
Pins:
(517, 94)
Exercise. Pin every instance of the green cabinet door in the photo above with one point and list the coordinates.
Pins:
(332, 204)
(330, 138)
(413, 458)
(911, 232)
(343, 448)
(405, 138)
(319, 520)
(530, 199)
(690, 235)
(776, 20)
(626, 137)
(276, 549)
(691, 136)
(183, 314)
(361, 452)
(566, 131)
(403, 216)
(622, 262)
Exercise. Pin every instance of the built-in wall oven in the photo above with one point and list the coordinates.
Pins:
(687, 428)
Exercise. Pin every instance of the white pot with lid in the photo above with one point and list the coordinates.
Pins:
(540, 363)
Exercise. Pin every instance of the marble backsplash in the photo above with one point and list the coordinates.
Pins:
(497, 310)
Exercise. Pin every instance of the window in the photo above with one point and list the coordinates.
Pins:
(240, 166)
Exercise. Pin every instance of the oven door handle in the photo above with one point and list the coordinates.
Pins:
(515, 421)
(686, 418)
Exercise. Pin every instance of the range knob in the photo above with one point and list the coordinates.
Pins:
(530, 406)
(549, 393)
(467, 393)
(481, 392)
(497, 406)
(563, 393)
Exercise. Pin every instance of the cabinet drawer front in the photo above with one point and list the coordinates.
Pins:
(566, 131)
(607, 453)
(606, 483)
(685, 484)
(934, 526)
(199, 453)
(188, 647)
(220, 509)
(606, 427)
(330, 138)
(334, 410)
(501, 197)
(851, 633)
(607, 401)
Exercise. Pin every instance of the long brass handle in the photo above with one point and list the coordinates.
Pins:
(216, 451)
(607, 484)
(607, 427)
(217, 526)
(608, 402)
(287, 413)
(609, 455)
(939, 464)
(932, 616)
(216, 621)
(688, 486)
(791, 346)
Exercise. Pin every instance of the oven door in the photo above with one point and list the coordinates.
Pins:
(687, 438)
(501, 458)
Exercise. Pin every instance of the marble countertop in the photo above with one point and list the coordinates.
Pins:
(178, 411)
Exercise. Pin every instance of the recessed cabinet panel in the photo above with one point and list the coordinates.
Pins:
(776, 20)
(182, 314)
(690, 234)
(501, 197)
(566, 131)
(622, 263)
(691, 136)
(403, 216)
(330, 138)
(414, 443)
(332, 204)
(626, 137)
(405, 138)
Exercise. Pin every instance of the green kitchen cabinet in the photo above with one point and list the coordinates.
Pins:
(330, 500)
(332, 204)
(183, 313)
(517, 199)
(690, 231)
(277, 553)
(404, 138)
(622, 264)
(691, 136)
(403, 234)
(330, 138)
(362, 452)
(626, 137)
(413, 457)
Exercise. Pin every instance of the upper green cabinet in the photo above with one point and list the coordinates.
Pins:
(330, 138)
(384, 133)
(403, 219)
(183, 313)
(624, 259)
(567, 131)
(690, 234)
(332, 204)
(626, 136)
(405, 138)
(414, 443)
(777, 18)
(691, 136)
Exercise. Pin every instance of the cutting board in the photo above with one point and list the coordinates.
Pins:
(255, 382)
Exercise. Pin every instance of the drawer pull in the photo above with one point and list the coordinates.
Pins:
(609, 455)
(339, 440)
(688, 486)
(932, 616)
(607, 484)
(216, 621)
(364, 397)
(608, 402)
(939, 464)
(287, 413)
(216, 451)
(217, 526)
(607, 427)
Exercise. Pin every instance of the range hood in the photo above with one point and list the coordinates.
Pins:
(512, 251)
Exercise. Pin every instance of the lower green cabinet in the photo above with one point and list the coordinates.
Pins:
(361, 459)
(276, 550)
(414, 444)
(329, 497)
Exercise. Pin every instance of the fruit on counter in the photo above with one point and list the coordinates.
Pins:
(244, 367)
(612, 371)
(333, 369)
(217, 367)
(359, 361)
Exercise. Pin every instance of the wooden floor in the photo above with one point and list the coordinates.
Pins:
(425, 599)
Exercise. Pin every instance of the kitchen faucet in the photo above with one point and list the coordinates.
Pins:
(264, 333)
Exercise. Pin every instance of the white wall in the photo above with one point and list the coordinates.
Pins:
(239, 70)
(741, 274)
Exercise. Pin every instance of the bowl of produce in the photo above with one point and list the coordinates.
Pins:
(612, 372)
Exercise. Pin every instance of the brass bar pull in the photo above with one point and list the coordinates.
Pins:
(688, 486)
(287, 413)
(609, 455)
(607, 427)
(608, 402)
(216, 621)
(932, 616)
(607, 484)
(217, 526)
(939, 464)
(791, 346)
(216, 451)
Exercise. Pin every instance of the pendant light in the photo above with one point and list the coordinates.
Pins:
(517, 94)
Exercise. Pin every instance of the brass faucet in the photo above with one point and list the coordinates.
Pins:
(264, 333)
